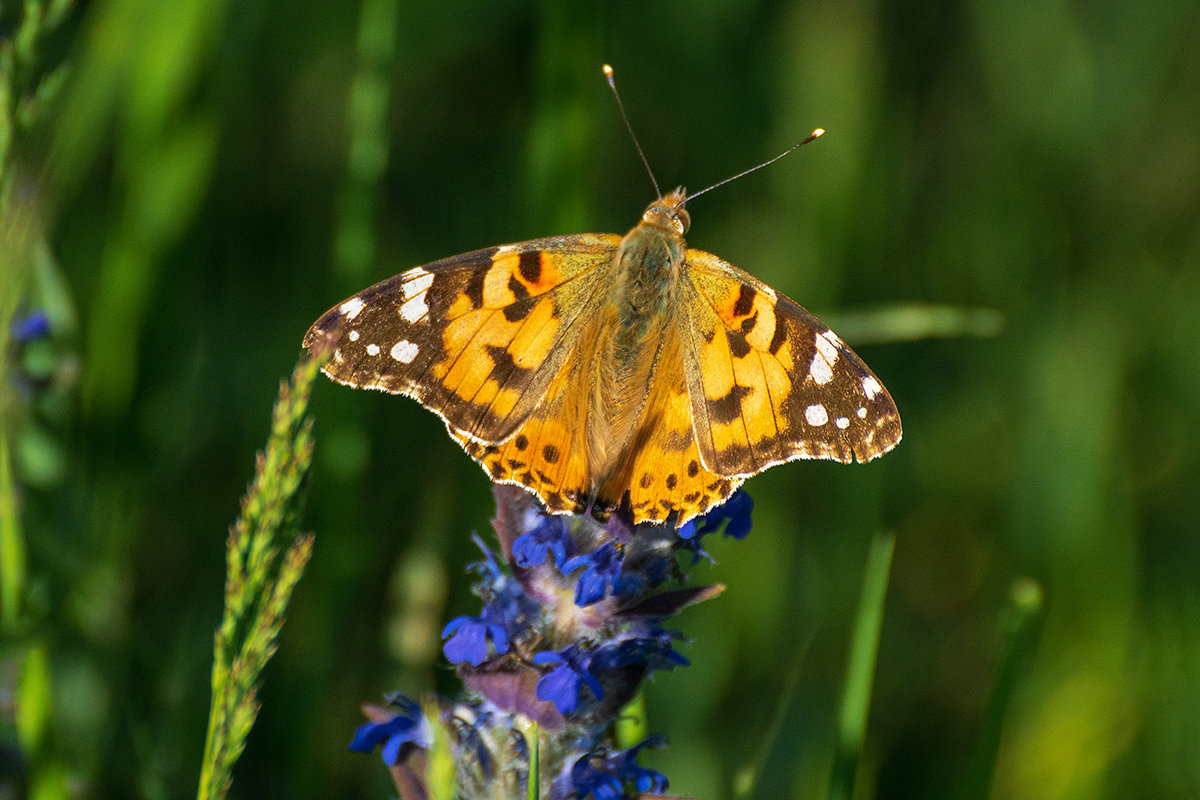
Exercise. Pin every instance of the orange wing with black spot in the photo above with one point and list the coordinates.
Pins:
(547, 454)
(477, 338)
(770, 382)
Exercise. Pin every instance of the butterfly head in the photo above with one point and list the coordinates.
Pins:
(667, 212)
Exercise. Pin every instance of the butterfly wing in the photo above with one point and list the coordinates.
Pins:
(769, 382)
(547, 454)
(477, 338)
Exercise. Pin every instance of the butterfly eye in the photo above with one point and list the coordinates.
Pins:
(681, 221)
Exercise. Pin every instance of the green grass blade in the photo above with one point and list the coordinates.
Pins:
(1019, 618)
(34, 723)
(12, 543)
(367, 122)
(746, 777)
(910, 322)
(860, 672)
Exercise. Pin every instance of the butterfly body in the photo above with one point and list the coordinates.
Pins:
(601, 371)
(635, 322)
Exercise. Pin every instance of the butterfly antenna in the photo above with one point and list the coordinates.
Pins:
(612, 84)
(808, 139)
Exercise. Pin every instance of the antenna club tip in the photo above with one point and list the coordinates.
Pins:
(816, 133)
(608, 70)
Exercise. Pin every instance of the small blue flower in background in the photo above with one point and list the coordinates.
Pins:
(406, 727)
(563, 685)
(549, 538)
(605, 777)
(30, 377)
(26, 328)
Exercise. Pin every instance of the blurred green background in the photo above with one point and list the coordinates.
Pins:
(192, 183)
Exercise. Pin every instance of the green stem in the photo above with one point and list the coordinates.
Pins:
(533, 785)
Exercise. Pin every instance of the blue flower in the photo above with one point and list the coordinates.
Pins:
(549, 538)
(625, 766)
(736, 509)
(564, 684)
(488, 569)
(466, 637)
(603, 571)
(605, 777)
(34, 325)
(504, 611)
(406, 727)
(653, 651)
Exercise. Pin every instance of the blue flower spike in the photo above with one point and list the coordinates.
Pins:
(571, 626)
(549, 539)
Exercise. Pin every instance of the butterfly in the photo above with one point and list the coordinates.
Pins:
(603, 372)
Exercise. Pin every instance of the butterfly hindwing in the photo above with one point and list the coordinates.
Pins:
(548, 453)
(477, 337)
(667, 474)
(769, 382)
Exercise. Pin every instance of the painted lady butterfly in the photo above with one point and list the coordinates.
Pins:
(601, 371)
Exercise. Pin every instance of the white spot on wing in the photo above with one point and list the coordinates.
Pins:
(404, 351)
(354, 336)
(862, 412)
(414, 308)
(816, 415)
(819, 369)
(372, 349)
(417, 282)
(352, 307)
(842, 422)
(826, 347)
(871, 387)
(832, 338)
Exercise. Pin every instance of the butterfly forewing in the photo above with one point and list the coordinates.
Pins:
(476, 337)
(769, 382)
